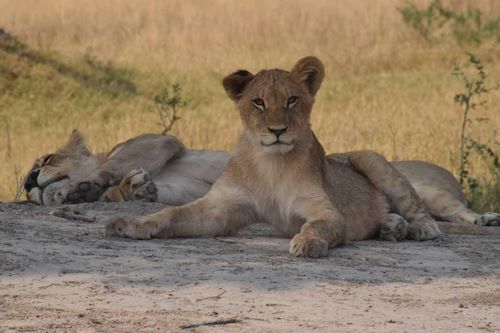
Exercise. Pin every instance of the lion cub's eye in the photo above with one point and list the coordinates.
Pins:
(259, 103)
(291, 101)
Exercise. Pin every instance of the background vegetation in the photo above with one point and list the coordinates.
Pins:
(98, 65)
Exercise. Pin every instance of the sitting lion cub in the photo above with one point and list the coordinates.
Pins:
(279, 174)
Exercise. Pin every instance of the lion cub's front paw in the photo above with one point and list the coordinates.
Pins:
(135, 229)
(307, 245)
(424, 230)
(394, 228)
(141, 186)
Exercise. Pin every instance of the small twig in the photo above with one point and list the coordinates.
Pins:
(165, 118)
(49, 285)
(8, 156)
(211, 297)
(20, 180)
(225, 241)
(8, 138)
(72, 214)
(212, 323)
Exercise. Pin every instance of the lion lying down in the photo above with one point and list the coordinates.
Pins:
(278, 173)
(148, 167)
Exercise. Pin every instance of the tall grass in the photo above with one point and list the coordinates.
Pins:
(386, 87)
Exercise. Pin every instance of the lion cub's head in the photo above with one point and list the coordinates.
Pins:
(275, 105)
(51, 172)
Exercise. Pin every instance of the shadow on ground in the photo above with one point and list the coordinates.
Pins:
(33, 242)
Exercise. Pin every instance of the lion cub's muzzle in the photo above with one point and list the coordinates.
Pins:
(277, 136)
(35, 179)
(277, 130)
(36, 183)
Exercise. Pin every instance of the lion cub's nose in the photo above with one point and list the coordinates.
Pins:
(277, 130)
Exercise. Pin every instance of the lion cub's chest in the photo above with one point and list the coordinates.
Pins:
(277, 195)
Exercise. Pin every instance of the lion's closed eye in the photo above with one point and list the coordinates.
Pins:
(47, 159)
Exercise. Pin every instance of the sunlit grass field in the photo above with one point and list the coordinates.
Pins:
(97, 65)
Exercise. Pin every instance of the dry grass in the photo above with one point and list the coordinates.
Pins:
(386, 89)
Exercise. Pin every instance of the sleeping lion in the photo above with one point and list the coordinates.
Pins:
(278, 173)
(148, 167)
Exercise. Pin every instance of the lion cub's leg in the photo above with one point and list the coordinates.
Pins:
(444, 206)
(221, 212)
(325, 227)
(399, 191)
(149, 152)
(137, 185)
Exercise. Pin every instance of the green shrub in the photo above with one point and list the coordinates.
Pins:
(167, 106)
(469, 100)
(437, 21)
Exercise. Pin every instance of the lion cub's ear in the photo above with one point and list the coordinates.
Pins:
(236, 83)
(75, 145)
(310, 71)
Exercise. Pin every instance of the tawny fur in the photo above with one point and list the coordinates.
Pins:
(285, 180)
(284, 185)
(148, 167)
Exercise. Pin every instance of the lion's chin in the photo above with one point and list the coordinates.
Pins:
(278, 147)
(35, 195)
(49, 195)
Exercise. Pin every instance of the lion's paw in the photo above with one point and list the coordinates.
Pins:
(306, 245)
(141, 186)
(490, 219)
(394, 228)
(120, 227)
(84, 191)
(423, 230)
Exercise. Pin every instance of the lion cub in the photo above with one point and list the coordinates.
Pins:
(279, 174)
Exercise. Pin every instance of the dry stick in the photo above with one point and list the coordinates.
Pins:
(462, 134)
(71, 214)
(8, 155)
(20, 180)
(225, 241)
(7, 133)
(171, 120)
(212, 323)
(212, 297)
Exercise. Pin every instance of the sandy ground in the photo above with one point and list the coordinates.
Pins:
(63, 275)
